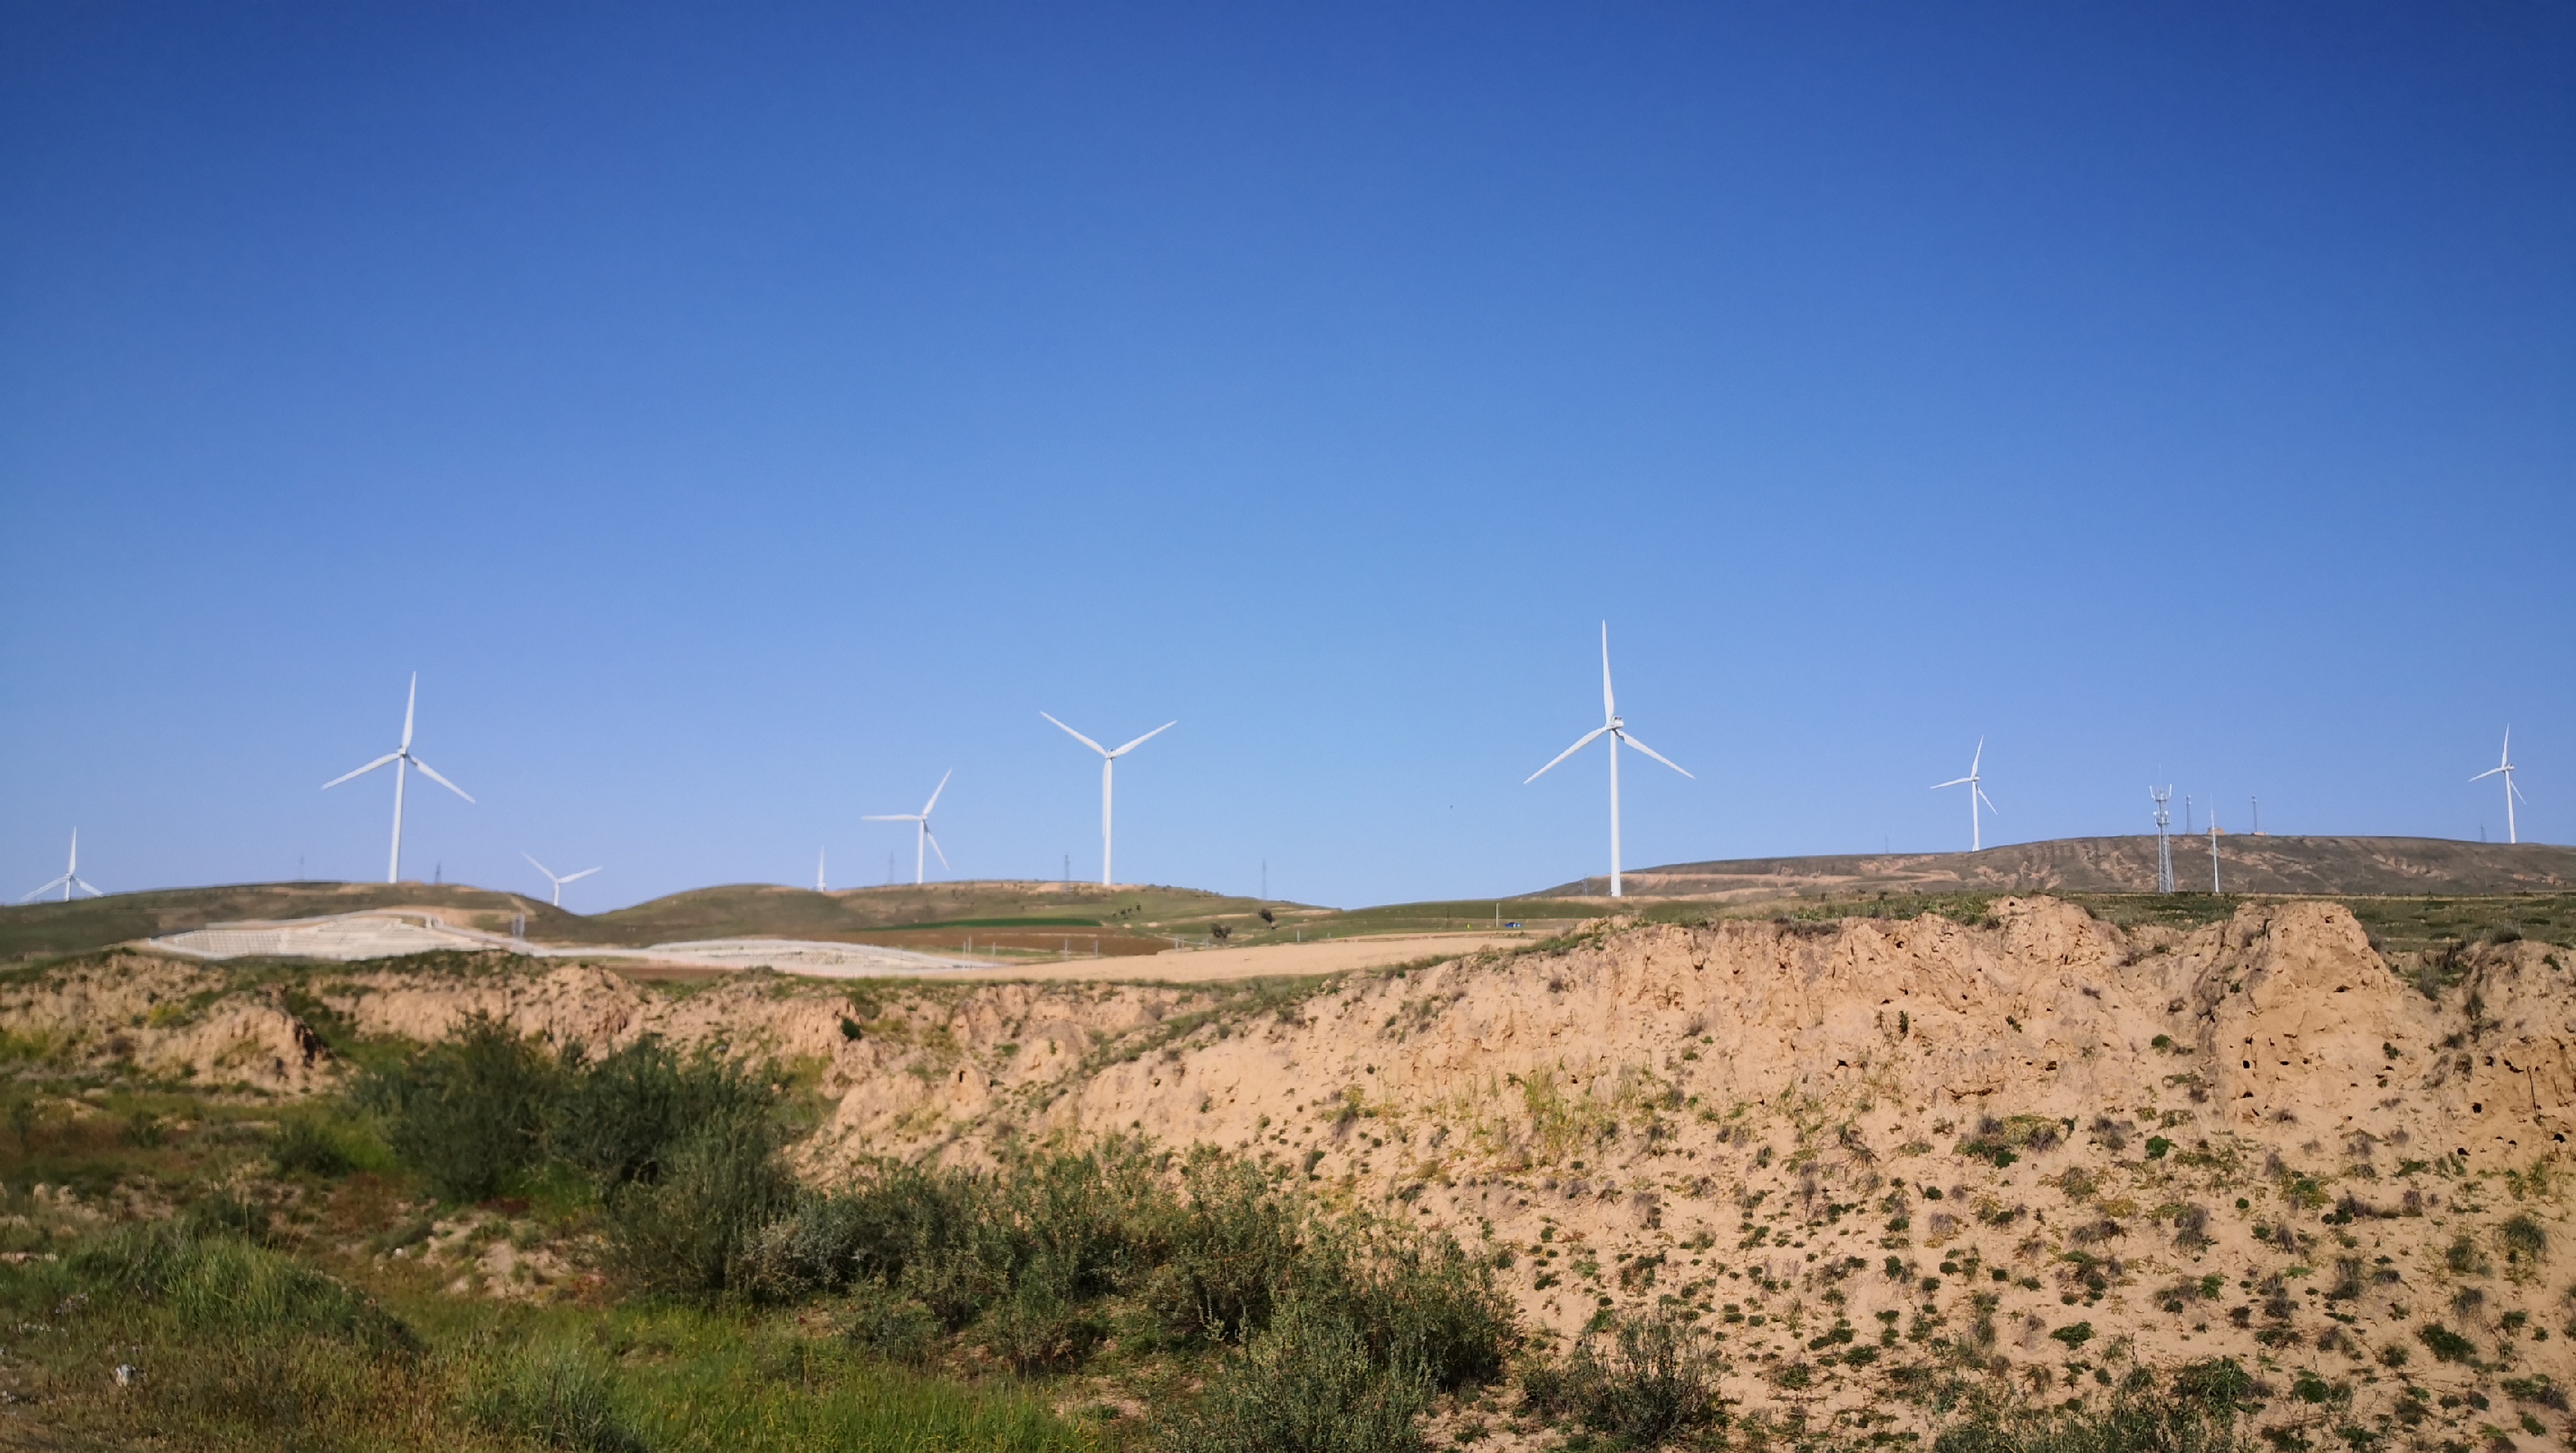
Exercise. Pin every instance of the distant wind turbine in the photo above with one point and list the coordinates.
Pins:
(2510, 791)
(1976, 794)
(1617, 730)
(402, 759)
(818, 871)
(921, 821)
(1109, 759)
(550, 875)
(70, 879)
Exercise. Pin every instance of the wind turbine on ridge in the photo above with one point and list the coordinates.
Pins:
(70, 879)
(1109, 759)
(402, 759)
(920, 820)
(551, 878)
(1617, 730)
(1976, 794)
(2510, 791)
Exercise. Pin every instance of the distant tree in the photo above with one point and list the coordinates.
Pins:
(1220, 932)
(1269, 917)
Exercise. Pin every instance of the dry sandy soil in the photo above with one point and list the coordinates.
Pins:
(2036, 1146)
(1222, 965)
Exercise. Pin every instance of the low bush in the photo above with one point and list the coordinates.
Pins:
(218, 1286)
(689, 1230)
(303, 1146)
(554, 1396)
(1309, 1383)
(2200, 1416)
(617, 1118)
(1651, 1378)
(468, 1112)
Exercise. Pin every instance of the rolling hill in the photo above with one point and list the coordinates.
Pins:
(2336, 866)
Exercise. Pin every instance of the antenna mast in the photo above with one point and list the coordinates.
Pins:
(2164, 838)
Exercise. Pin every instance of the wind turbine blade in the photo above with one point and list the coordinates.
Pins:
(361, 772)
(431, 773)
(84, 886)
(48, 888)
(576, 877)
(410, 702)
(2482, 776)
(1079, 737)
(2516, 791)
(891, 817)
(935, 791)
(1953, 782)
(1147, 737)
(540, 867)
(1631, 739)
(1609, 703)
(933, 839)
(1588, 738)
(1989, 802)
(1979, 759)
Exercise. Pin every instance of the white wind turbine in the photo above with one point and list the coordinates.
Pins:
(70, 879)
(402, 759)
(1976, 794)
(1109, 759)
(920, 820)
(2504, 767)
(550, 874)
(1617, 730)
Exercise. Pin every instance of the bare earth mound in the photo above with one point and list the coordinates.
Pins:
(2035, 1146)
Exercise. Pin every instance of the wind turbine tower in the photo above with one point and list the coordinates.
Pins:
(818, 870)
(557, 882)
(1976, 794)
(2511, 792)
(921, 837)
(1108, 759)
(2164, 838)
(70, 879)
(2213, 849)
(402, 759)
(1616, 728)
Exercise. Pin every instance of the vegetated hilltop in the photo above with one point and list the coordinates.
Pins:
(2014, 1147)
(2327, 866)
(1126, 918)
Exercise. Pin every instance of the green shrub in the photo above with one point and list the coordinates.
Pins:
(1309, 1383)
(2524, 1239)
(1230, 1249)
(221, 1287)
(878, 1320)
(226, 1213)
(469, 1111)
(1040, 1327)
(619, 1116)
(1417, 1298)
(304, 1146)
(1653, 1378)
(2445, 1344)
(2200, 1417)
(687, 1232)
(555, 1396)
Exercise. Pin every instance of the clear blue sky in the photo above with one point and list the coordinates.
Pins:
(740, 415)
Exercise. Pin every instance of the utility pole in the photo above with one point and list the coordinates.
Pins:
(2164, 838)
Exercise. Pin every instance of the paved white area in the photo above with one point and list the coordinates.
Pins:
(348, 937)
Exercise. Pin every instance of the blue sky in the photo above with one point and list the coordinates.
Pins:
(741, 415)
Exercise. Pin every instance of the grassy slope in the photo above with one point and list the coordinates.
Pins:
(735, 911)
(2319, 865)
